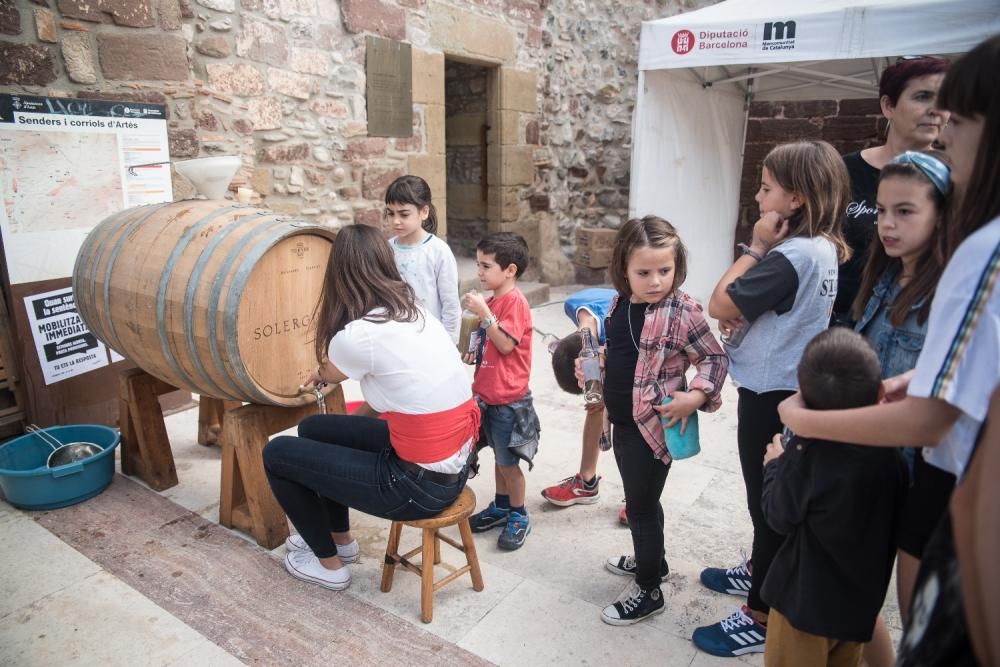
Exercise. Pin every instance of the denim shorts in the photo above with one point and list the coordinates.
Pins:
(498, 423)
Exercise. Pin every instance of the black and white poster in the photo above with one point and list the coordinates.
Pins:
(64, 344)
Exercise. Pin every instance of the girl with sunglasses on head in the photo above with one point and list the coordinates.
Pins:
(891, 310)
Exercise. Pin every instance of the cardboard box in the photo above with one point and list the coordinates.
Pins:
(593, 258)
(592, 238)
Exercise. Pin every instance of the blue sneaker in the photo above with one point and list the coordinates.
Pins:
(734, 580)
(491, 517)
(737, 635)
(514, 533)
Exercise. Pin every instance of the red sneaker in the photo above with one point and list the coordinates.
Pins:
(572, 491)
(622, 516)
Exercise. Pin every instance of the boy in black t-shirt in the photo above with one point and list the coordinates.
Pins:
(838, 505)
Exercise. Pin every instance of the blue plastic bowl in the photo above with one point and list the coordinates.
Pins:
(30, 484)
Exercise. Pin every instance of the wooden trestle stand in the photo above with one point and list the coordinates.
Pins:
(245, 502)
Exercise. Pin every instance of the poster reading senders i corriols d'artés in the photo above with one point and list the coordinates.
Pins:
(66, 164)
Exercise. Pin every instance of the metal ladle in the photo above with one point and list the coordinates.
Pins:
(64, 453)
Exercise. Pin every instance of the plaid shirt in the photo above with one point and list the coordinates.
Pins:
(674, 337)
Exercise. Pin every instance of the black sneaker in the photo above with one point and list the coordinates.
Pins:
(625, 565)
(635, 605)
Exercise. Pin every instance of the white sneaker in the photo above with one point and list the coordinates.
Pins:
(349, 553)
(305, 566)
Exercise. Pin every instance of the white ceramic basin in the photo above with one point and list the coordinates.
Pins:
(210, 175)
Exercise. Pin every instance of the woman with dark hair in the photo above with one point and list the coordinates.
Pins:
(409, 464)
(907, 93)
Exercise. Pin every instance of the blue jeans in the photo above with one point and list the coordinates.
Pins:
(498, 423)
(339, 462)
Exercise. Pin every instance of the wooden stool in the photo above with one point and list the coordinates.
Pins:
(430, 548)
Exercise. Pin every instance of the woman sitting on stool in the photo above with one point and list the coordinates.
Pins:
(408, 464)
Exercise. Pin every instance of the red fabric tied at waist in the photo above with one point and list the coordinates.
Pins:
(432, 437)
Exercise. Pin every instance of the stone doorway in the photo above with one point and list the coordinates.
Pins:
(470, 108)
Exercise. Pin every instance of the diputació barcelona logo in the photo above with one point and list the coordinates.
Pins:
(682, 42)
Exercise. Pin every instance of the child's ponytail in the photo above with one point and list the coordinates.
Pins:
(430, 225)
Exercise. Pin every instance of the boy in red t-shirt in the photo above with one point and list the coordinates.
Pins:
(501, 382)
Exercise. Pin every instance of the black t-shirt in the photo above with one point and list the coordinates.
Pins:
(769, 285)
(623, 355)
(858, 229)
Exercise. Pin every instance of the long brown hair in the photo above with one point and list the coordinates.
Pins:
(647, 232)
(361, 276)
(971, 88)
(928, 267)
(815, 172)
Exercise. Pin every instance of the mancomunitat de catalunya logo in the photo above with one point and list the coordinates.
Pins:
(685, 41)
(778, 36)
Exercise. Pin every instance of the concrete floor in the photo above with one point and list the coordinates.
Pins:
(61, 605)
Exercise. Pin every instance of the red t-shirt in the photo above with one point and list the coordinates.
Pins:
(503, 378)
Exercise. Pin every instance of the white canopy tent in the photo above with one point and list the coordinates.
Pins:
(698, 72)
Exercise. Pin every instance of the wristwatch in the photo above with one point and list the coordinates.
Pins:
(488, 321)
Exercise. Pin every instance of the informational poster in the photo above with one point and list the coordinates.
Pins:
(63, 342)
(67, 164)
(389, 87)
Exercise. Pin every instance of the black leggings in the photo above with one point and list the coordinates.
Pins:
(643, 477)
(343, 461)
(758, 421)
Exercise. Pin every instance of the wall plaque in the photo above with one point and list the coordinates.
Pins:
(389, 88)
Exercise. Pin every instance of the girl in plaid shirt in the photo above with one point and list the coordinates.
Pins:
(654, 333)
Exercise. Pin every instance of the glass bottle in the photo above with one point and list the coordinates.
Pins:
(467, 338)
(593, 387)
(736, 334)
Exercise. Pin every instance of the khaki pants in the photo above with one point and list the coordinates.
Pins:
(788, 647)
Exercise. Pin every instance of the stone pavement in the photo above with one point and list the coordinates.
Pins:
(135, 577)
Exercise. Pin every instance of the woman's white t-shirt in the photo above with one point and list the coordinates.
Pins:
(960, 360)
(408, 367)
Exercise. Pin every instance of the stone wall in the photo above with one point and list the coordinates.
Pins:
(850, 125)
(281, 83)
(587, 90)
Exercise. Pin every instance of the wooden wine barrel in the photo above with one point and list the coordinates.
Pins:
(210, 296)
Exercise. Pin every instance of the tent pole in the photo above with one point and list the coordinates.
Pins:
(747, 99)
(849, 78)
(813, 82)
(758, 74)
